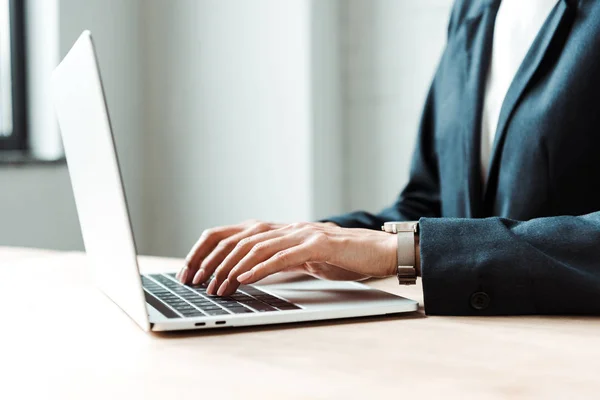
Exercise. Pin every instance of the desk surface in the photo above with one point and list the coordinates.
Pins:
(65, 340)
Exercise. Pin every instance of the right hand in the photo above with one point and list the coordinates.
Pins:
(214, 245)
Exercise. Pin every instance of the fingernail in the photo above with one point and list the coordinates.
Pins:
(246, 276)
(184, 274)
(211, 287)
(198, 277)
(223, 288)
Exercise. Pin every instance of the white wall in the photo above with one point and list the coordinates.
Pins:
(228, 119)
(390, 51)
(327, 109)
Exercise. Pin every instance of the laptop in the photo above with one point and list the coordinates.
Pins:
(159, 302)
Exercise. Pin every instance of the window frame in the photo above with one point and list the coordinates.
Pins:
(17, 141)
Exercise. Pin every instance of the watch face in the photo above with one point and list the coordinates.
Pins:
(401, 226)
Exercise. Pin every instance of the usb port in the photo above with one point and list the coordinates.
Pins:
(220, 323)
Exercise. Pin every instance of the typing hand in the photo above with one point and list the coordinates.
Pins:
(251, 251)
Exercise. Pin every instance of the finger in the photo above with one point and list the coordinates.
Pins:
(259, 253)
(299, 230)
(282, 260)
(239, 252)
(222, 250)
(208, 240)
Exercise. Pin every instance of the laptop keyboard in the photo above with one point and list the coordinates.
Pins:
(193, 301)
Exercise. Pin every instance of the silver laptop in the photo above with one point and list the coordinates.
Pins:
(159, 302)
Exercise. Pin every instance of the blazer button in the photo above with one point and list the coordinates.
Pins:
(480, 300)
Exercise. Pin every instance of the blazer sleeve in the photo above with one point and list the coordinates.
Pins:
(498, 266)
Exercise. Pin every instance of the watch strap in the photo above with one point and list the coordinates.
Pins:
(406, 252)
(406, 272)
(406, 248)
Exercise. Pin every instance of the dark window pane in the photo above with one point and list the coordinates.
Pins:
(12, 76)
(6, 125)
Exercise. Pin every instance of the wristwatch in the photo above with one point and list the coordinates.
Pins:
(407, 261)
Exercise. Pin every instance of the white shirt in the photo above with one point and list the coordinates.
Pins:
(518, 22)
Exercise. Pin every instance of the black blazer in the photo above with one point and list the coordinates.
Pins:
(527, 242)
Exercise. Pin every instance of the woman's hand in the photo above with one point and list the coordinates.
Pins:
(249, 252)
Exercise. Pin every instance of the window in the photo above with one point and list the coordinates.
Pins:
(13, 124)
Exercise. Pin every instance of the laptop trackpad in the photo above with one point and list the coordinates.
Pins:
(312, 292)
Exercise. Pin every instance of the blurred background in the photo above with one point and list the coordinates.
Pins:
(223, 110)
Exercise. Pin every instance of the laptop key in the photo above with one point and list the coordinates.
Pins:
(194, 313)
(202, 305)
(221, 299)
(259, 306)
(288, 306)
(215, 307)
(250, 290)
(231, 304)
(268, 299)
(216, 312)
(170, 296)
(230, 301)
(201, 302)
(240, 310)
(241, 297)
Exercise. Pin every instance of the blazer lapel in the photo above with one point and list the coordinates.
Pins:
(522, 79)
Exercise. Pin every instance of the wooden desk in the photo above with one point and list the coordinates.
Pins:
(61, 338)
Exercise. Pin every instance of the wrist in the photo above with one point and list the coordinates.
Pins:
(391, 252)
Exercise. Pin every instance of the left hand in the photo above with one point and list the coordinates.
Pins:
(322, 250)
